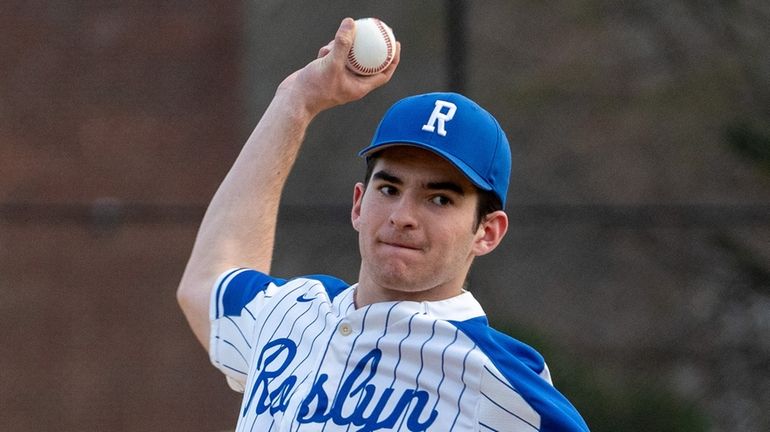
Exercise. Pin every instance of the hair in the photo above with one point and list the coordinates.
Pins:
(487, 203)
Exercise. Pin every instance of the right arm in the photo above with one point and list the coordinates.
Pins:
(238, 229)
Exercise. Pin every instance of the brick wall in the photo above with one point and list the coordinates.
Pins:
(117, 103)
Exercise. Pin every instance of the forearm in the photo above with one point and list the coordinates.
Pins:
(238, 229)
(239, 225)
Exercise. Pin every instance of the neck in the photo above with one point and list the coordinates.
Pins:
(369, 292)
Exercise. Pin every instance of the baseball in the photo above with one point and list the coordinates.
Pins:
(373, 47)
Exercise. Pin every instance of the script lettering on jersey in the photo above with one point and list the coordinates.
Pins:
(356, 402)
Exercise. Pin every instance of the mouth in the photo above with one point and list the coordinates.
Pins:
(401, 245)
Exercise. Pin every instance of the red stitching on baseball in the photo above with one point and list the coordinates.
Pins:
(388, 44)
(388, 56)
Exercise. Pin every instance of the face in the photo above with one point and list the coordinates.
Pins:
(416, 221)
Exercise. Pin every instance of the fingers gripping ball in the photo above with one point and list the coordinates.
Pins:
(373, 47)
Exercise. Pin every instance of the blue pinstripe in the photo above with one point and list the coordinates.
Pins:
(395, 368)
(465, 386)
(443, 374)
(245, 339)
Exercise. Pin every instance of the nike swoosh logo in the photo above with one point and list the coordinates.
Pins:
(304, 299)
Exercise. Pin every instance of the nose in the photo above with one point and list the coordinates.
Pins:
(403, 214)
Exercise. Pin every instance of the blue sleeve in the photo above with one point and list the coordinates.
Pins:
(521, 366)
(238, 287)
(242, 286)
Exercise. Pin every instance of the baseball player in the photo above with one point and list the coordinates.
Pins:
(406, 348)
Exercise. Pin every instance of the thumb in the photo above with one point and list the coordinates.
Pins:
(343, 40)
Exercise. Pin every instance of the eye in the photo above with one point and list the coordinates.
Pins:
(388, 190)
(441, 200)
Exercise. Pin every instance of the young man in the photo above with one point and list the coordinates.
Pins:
(406, 348)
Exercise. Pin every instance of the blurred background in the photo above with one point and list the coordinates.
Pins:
(638, 260)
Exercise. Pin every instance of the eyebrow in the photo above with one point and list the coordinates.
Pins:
(385, 176)
(442, 185)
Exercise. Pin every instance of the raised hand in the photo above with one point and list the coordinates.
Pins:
(326, 81)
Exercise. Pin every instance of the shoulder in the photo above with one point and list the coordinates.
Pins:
(331, 284)
(237, 287)
(500, 347)
(524, 372)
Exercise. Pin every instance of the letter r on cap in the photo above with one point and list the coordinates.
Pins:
(437, 116)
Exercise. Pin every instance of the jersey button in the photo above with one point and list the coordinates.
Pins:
(345, 329)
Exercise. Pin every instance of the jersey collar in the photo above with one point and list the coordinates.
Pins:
(461, 307)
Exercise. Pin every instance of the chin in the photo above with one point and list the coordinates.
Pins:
(399, 274)
(395, 282)
(402, 283)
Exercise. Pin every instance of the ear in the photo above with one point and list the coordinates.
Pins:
(355, 212)
(490, 233)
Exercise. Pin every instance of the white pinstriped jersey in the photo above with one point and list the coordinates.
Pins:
(307, 360)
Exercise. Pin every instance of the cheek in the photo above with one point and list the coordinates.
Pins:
(366, 224)
(457, 241)
(371, 211)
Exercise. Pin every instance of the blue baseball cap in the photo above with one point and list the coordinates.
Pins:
(455, 128)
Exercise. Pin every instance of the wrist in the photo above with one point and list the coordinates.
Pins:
(293, 105)
(301, 97)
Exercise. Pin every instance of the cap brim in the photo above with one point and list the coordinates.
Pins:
(469, 172)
